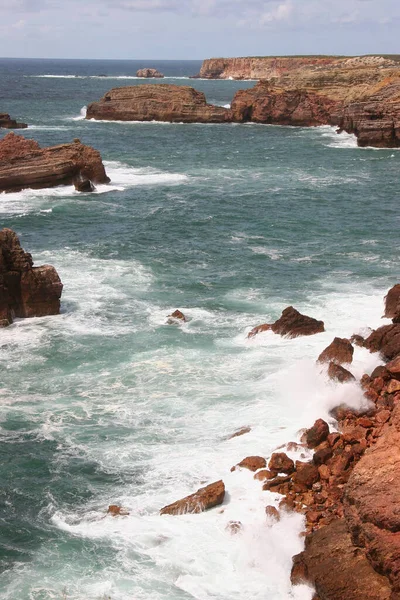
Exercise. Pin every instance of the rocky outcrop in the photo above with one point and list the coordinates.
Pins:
(252, 463)
(339, 351)
(291, 324)
(176, 317)
(338, 373)
(25, 290)
(6, 122)
(149, 73)
(163, 102)
(385, 340)
(23, 164)
(258, 67)
(392, 304)
(204, 499)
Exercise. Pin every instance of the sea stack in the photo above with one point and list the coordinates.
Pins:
(163, 102)
(24, 164)
(149, 74)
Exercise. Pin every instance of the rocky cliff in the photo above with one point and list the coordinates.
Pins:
(25, 290)
(257, 67)
(23, 164)
(161, 102)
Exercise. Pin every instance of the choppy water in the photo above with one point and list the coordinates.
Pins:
(106, 403)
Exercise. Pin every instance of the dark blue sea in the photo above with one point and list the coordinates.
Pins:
(108, 404)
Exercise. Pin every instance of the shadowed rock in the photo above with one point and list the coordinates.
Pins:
(204, 499)
(339, 373)
(385, 340)
(339, 351)
(6, 122)
(291, 324)
(253, 463)
(25, 290)
(392, 304)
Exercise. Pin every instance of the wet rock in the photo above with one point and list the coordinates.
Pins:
(25, 290)
(357, 340)
(259, 329)
(337, 569)
(317, 434)
(176, 317)
(253, 463)
(83, 185)
(393, 368)
(293, 324)
(239, 432)
(117, 511)
(149, 73)
(385, 340)
(234, 527)
(322, 456)
(392, 304)
(272, 513)
(204, 499)
(306, 474)
(277, 484)
(263, 475)
(339, 351)
(339, 373)
(281, 463)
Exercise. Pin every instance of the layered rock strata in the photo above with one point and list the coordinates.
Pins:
(23, 164)
(25, 290)
(162, 102)
(6, 122)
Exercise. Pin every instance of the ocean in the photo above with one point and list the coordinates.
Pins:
(108, 404)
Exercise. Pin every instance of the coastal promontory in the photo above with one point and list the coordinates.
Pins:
(24, 164)
(162, 102)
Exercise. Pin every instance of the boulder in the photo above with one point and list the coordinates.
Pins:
(176, 317)
(25, 290)
(291, 324)
(6, 122)
(339, 351)
(23, 164)
(317, 434)
(392, 304)
(253, 463)
(306, 474)
(281, 463)
(272, 513)
(149, 73)
(338, 373)
(204, 499)
(83, 185)
(385, 340)
(163, 102)
(117, 511)
(239, 432)
(337, 570)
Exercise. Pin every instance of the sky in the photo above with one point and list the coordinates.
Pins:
(196, 29)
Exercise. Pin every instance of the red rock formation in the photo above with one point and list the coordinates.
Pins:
(149, 102)
(281, 463)
(176, 317)
(385, 340)
(149, 73)
(23, 164)
(266, 104)
(6, 122)
(339, 351)
(338, 373)
(317, 434)
(253, 463)
(25, 291)
(291, 324)
(204, 499)
(392, 304)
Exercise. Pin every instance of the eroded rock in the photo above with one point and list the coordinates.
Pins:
(204, 499)
(339, 351)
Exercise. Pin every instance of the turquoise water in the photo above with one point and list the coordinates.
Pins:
(106, 403)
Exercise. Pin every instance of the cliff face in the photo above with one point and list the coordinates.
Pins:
(148, 102)
(25, 290)
(23, 164)
(257, 67)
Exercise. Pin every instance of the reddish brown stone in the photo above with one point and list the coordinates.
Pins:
(253, 463)
(23, 164)
(339, 351)
(382, 416)
(25, 291)
(204, 499)
(272, 513)
(317, 434)
(306, 474)
(324, 472)
(175, 317)
(322, 456)
(393, 368)
(281, 463)
(115, 510)
(392, 304)
(263, 474)
(385, 340)
(276, 484)
(339, 373)
(239, 432)
(393, 386)
(6, 122)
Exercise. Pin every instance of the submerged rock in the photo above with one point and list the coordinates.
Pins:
(204, 499)
(25, 290)
(239, 432)
(253, 463)
(23, 164)
(338, 373)
(176, 317)
(117, 511)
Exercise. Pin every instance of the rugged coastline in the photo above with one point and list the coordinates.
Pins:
(348, 492)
